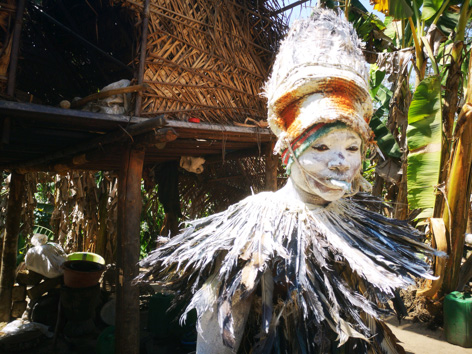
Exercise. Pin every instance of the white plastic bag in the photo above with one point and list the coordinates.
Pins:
(45, 257)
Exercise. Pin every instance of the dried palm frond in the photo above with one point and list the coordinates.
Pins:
(332, 268)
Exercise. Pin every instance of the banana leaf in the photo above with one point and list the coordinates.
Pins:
(424, 143)
(398, 9)
(430, 7)
(385, 140)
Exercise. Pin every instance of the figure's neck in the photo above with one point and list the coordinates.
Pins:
(292, 191)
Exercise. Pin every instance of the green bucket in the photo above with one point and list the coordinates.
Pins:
(458, 318)
(106, 341)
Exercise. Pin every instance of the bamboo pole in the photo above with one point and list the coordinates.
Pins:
(10, 244)
(271, 168)
(105, 94)
(142, 57)
(129, 214)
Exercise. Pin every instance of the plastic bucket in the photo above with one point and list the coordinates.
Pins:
(82, 274)
(458, 318)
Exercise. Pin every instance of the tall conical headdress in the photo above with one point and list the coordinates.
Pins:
(321, 59)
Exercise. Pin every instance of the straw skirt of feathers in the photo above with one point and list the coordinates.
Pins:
(319, 279)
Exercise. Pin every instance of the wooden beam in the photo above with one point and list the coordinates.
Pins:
(10, 244)
(272, 163)
(220, 132)
(65, 117)
(163, 135)
(129, 215)
(68, 118)
(113, 137)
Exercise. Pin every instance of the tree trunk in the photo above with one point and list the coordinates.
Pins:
(10, 244)
(129, 216)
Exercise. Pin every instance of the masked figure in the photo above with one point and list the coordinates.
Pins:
(305, 269)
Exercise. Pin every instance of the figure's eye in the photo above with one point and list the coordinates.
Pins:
(320, 147)
(353, 148)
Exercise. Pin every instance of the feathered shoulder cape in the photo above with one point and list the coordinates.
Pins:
(318, 276)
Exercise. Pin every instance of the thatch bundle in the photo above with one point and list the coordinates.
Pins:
(208, 59)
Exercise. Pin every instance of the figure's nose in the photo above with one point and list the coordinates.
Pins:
(338, 163)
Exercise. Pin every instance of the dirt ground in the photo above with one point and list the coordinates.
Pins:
(416, 338)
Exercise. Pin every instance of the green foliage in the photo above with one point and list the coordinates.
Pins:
(399, 9)
(424, 143)
(152, 219)
(42, 214)
(382, 95)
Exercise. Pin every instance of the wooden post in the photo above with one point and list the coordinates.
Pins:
(10, 244)
(272, 162)
(129, 216)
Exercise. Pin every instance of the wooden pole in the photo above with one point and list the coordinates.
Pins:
(142, 57)
(272, 162)
(129, 216)
(10, 244)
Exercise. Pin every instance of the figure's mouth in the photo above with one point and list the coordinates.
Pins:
(340, 184)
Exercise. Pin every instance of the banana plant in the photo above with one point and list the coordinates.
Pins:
(432, 159)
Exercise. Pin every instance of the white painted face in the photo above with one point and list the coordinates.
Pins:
(333, 160)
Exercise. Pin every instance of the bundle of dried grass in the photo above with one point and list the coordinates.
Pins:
(84, 216)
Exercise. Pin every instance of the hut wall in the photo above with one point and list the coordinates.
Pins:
(208, 59)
